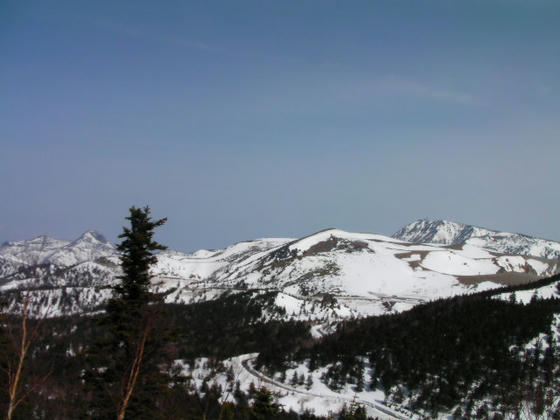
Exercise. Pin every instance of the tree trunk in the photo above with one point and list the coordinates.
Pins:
(134, 374)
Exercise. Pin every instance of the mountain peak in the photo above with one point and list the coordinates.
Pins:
(436, 231)
(44, 249)
(453, 233)
(92, 236)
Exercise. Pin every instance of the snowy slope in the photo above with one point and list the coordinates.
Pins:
(44, 250)
(329, 275)
(439, 232)
(33, 251)
(203, 264)
(452, 233)
(313, 396)
(88, 247)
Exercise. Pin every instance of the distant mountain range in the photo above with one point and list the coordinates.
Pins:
(331, 274)
(45, 250)
(235, 301)
(453, 233)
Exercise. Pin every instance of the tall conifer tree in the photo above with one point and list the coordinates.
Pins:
(125, 374)
(137, 256)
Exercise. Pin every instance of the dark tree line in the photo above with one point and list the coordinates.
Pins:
(231, 326)
(119, 364)
(449, 354)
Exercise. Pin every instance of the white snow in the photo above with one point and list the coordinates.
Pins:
(318, 398)
(412, 258)
(368, 274)
(290, 304)
(525, 296)
(471, 251)
(453, 263)
(538, 266)
(446, 232)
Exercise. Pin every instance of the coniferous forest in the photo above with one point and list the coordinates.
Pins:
(450, 354)
(355, 210)
(476, 356)
(119, 363)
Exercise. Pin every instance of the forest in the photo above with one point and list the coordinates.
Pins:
(120, 362)
(450, 354)
(476, 356)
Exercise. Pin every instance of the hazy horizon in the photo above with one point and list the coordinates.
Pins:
(278, 119)
(116, 240)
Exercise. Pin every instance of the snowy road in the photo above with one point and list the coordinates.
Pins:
(374, 409)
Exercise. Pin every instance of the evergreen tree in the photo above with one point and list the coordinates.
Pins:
(309, 382)
(125, 365)
(226, 412)
(264, 407)
(357, 411)
(294, 379)
(137, 256)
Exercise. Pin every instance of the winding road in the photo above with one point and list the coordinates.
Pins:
(374, 409)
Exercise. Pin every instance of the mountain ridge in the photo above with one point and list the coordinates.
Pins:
(225, 300)
(365, 273)
(454, 233)
(43, 249)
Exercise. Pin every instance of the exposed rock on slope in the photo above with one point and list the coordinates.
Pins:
(452, 233)
(353, 274)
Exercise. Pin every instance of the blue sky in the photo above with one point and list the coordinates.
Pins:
(245, 119)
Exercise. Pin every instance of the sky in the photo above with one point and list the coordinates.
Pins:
(246, 119)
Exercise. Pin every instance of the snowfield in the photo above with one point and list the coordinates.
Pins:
(322, 278)
(366, 274)
(317, 398)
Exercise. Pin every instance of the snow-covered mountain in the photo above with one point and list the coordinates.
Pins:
(322, 278)
(44, 250)
(330, 274)
(452, 233)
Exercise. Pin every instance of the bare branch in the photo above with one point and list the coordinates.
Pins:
(22, 342)
(134, 372)
(15, 377)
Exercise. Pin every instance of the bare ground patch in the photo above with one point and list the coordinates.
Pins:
(504, 279)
